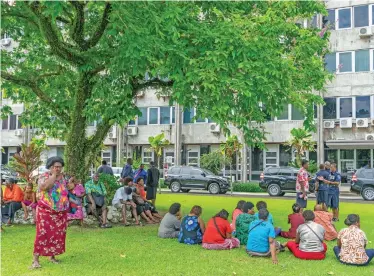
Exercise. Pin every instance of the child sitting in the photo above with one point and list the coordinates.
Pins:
(324, 218)
(295, 219)
(262, 205)
(73, 202)
(243, 221)
(29, 200)
(238, 210)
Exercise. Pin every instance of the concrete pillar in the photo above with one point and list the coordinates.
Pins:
(178, 135)
(320, 142)
(244, 163)
(119, 145)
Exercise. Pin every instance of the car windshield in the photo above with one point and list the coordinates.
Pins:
(207, 172)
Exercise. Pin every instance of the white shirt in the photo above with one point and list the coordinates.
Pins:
(121, 195)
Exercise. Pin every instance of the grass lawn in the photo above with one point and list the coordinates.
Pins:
(138, 251)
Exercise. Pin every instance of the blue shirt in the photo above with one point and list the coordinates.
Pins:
(127, 171)
(270, 218)
(334, 177)
(140, 173)
(258, 237)
(326, 175)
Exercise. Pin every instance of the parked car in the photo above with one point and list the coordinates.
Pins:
(117, 171)
(362, 183)
(8, 173)
(185, 178)
(279, 180)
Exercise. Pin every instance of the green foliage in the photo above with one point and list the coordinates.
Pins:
(230, 147)
(136, 162)
(313, 166)
(157, 143)
(111, 184)
(213, 161)
(81, 61)
(247, 187)
(301, 141)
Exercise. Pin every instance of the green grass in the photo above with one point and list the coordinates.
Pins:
(93, 251)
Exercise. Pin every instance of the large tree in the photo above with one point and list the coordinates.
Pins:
(77, 62)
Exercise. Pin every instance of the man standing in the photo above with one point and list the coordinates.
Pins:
(11, 201)
(127, 169)
(302, 185)
(140, 173)
(104, 168)
(322, 190)
(152, 182)
(333, 197)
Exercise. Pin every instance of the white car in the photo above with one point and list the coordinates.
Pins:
(117, 171)
(39, 171)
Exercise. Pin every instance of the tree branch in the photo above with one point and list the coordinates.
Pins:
(97, 139)
(101, 28)
(156, 82)
(37, 91)
(78, 24)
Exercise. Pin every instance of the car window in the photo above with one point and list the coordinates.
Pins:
(185, 171)
(175, 171)
(285, 172)
(366, 173)
(196, 172)
(272, 171)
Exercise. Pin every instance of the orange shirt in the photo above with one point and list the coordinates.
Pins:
(16, 194)
(325, 219)
(142, 192)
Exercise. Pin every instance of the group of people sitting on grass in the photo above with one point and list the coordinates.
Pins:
(309, 229)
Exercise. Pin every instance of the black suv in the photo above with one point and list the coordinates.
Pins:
(279, 180)
(183, 178)
(363, 183)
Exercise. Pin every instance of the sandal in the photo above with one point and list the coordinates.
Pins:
(106, 225)
(35, 265)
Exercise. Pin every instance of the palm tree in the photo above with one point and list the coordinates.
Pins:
(301, 141)
(229, 148)
(157, 143)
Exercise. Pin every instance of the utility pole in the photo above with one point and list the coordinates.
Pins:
(178, 135)
(320, 142)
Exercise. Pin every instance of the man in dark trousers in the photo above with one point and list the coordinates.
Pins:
(153, 176)
(127, 170)
(104, 168)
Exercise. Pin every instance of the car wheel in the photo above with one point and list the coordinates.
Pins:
(214, 188)
(368, 193)
(175, 187)
(185, 190)
(222, 193)
(274, 190)
(282, 194)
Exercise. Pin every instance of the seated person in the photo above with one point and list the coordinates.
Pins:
(147, 203)
(29, 200)
(192, 227)
(263, 205)
(261, 237)
(76, 195)
(352, 242)
(295, 219)
(96, 205)
(142, 209)
(309, 243)
(171, 223)
(238, 210)
(324, 218)
(243, 221)
(123, 199)
(11, 201)
(217, 234)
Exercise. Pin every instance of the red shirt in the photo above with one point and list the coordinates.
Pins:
(296, 220)
(142, 191)
(212, 235)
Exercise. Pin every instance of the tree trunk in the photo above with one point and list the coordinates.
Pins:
(298, 160)
(158, 165)
(231, 177)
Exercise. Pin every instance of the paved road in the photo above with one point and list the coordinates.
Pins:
(344, 197)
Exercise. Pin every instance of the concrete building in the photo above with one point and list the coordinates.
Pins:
(345, 124)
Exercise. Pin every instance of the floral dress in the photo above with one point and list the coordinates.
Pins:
(78, 191)
(190, 232)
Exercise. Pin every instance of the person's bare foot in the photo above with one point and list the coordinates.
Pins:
(35, 265)
(26, 216)
(54, 260)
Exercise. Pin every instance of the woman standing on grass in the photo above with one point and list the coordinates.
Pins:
(192, 227)
(51, 213)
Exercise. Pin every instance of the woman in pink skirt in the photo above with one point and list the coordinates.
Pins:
(217, 235)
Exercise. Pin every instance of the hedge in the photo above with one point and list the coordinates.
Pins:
(247, 187)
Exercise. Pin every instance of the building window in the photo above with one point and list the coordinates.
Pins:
(165, 115)
(188, 114)
(330, 62)
(257, 163)
(363, 158)
(173, 115)
(285, 155)
(153, 115)
(329, 20)
(169, 158)
(142, 119)
(270, 158)
(193, 158)
(329, 109)
(13, 122)
(296, 114)
(344, 18)
(60, 151)
(372, 14)
(363, 107)
(345, 107)
(105, 155)
(19, 124)
(284, 113)
(204, 149)
(345, 62)
(147, 156)
(347, 160)
(362, 61)
(331, 155)
(361, 16)
(5, 124)
(132, 122)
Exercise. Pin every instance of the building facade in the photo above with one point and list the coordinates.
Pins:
(345, 123)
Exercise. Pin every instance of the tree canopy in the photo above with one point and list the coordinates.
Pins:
(77, 62)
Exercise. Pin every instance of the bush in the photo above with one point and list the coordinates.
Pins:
(213, 161)
(111, 185)
(313, 167)
(162, 184)
(248, 187)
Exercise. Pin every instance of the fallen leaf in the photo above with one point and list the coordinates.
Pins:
(330, 273)
(123, 255)
(234, 273)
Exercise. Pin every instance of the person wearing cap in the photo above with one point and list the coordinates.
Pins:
(243, 221)
(11, 201)
(351, 245)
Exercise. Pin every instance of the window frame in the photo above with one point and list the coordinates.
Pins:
(370, 106)
(353, 59)
(16, 122)
(170, 115)
(353, 107)
(146, 150)
(7, 125)
(370, 60)
(337, 18)
(353, 16)
(299, 111)
(149, 113)
(195, 114)
(371, 57)
(371, 14)
(137, 116)
(289, 110)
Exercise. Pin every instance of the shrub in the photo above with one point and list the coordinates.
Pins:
(248, 187)
(111, 184)
(213, 161)
(313, 167)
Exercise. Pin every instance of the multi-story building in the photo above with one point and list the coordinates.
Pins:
(345, 123)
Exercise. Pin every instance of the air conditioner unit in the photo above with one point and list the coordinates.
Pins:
(132, 130)
(18, 132)
(6, 42)
(112, 134)
(140, 94)
(369, 137)
(215, 128)
(362, 122)
(365, 31)
(346, 123)
(328, 124)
